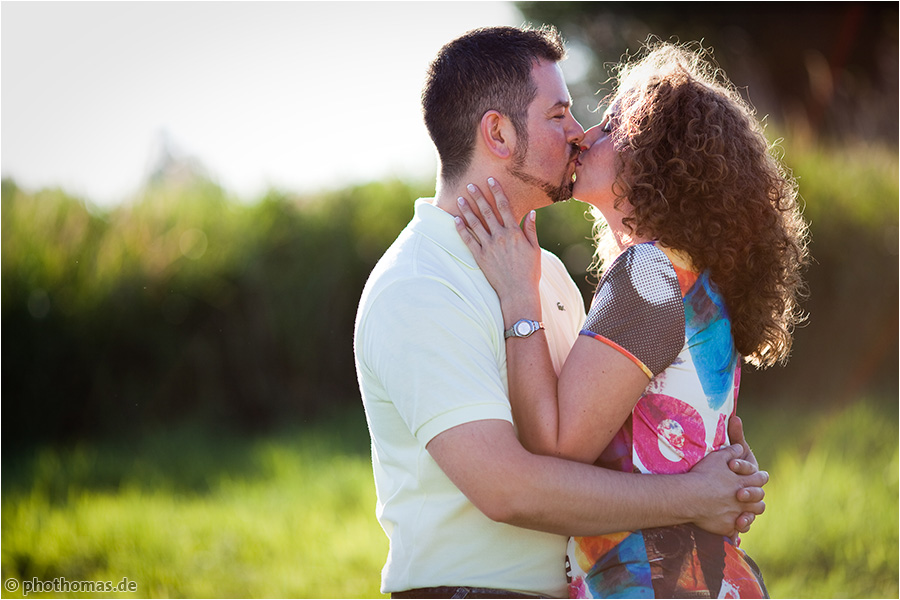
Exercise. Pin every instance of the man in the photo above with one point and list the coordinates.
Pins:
(468, 511)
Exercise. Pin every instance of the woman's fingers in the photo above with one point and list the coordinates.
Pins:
(530, 228)
(507, 215)
(471, 220)
(490, 217)
(501, 201)
(507, 256)
(488, 222)
(466, 234)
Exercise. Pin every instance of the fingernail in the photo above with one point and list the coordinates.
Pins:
(471, 188)
(461, 201)
(458, 220)
(491, 182)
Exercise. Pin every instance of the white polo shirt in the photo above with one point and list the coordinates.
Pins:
(430, 355)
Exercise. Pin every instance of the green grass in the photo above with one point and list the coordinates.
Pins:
(192, 514)
(830, 529)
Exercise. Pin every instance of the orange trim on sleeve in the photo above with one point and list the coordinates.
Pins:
(615, 346)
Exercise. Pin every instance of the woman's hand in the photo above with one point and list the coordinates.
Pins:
(509, 256)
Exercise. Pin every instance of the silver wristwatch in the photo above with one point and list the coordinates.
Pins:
(522, 328)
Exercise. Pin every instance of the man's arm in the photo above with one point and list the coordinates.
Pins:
(485, 460)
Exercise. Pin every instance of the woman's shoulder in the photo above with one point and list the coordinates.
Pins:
(648, 251)
(642, 262)
(641, 270)
(638, 305)
(650, 263)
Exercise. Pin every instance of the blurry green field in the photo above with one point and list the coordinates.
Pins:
(830, 529)
(186, 514)
(193, 515)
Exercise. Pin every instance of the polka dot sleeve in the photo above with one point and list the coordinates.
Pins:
(638, 309)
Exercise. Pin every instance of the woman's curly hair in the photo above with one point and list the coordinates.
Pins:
(701, 178)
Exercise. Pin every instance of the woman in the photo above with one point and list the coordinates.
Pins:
(710, 242)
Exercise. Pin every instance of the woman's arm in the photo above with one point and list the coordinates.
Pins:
(598, 389)
(510, 258)
(599, 386)
(514, 270)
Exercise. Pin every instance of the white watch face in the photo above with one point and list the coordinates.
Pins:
(523, 328)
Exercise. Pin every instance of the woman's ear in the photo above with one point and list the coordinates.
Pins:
(498, 134)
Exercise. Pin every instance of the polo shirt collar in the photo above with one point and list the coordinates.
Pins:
(439, 226)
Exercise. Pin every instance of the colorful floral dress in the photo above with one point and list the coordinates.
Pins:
(672, 323)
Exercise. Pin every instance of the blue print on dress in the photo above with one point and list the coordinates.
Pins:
(708, 331)
(623, 572)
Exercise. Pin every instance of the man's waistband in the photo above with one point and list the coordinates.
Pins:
(450, 591)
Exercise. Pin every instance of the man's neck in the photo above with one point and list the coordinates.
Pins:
(447, 194)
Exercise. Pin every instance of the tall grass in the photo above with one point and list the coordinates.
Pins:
(193, 514)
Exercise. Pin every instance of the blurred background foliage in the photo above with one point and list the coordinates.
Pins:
(190, 305)
(178, 382)
(826, 71)
(823, 78)
(185, 304)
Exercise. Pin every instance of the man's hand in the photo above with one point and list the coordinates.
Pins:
(729, 488)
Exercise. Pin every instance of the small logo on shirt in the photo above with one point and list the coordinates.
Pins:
(560, 306)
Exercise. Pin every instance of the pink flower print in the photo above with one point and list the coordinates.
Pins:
(669, 434)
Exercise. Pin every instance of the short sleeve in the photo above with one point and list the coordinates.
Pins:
(436, 356)
(638, 307)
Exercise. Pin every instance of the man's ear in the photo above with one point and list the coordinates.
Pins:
(498, 134)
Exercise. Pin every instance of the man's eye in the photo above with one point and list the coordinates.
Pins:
(607, 128)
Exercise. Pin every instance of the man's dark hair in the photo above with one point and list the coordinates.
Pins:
(485, 69)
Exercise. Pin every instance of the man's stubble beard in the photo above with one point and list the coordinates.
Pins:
(556, 193)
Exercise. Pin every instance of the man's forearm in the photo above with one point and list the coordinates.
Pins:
(571, 498)
(511, 485)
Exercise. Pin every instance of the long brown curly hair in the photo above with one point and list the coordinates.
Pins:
(699, 176)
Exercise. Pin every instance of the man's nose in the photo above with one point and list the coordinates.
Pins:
(576, 132)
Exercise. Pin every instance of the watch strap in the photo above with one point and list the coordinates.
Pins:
(514, 330)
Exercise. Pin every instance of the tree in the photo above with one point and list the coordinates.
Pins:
(826, 70)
